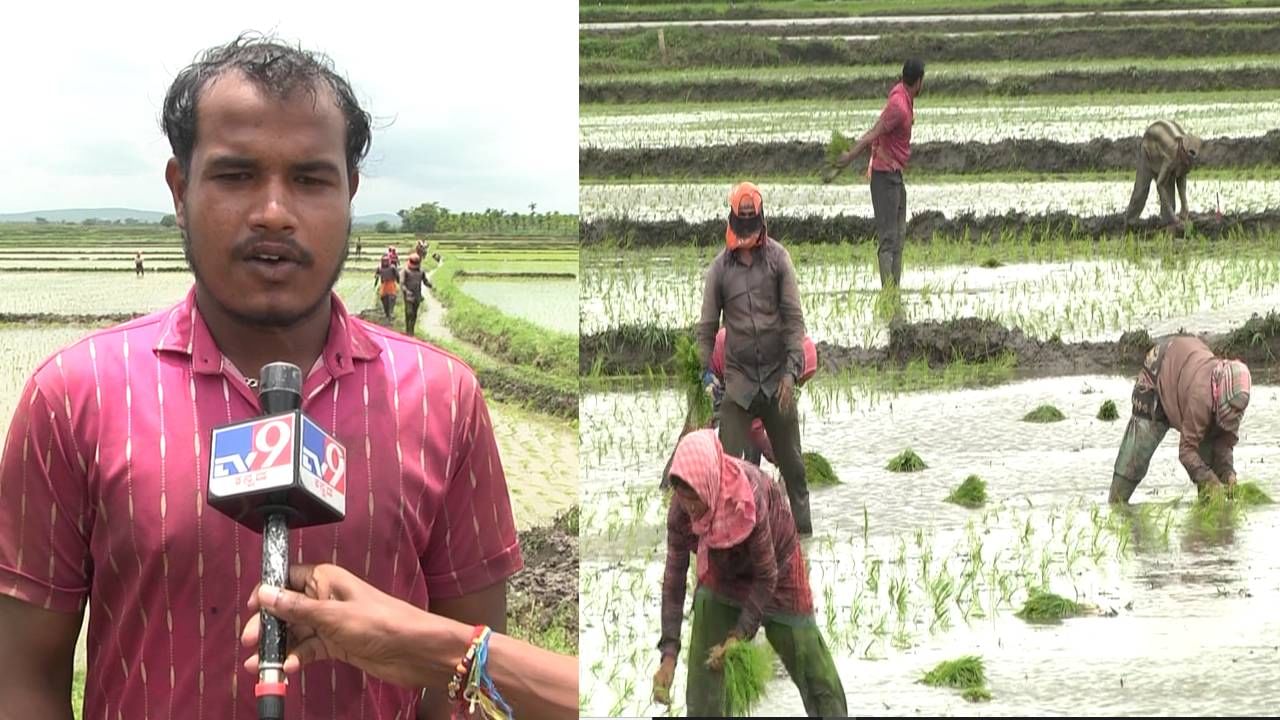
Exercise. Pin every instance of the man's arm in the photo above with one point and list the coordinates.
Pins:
(793, 329)
(37, 650)
(1189, 453)
(712, 304)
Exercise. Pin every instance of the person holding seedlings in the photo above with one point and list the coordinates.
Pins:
(411, 281)
(752, 285)
(1183, 385)
(890, 143)
(751, 572)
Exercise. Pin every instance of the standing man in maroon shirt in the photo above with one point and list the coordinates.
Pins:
(103, 477)
(890, 143)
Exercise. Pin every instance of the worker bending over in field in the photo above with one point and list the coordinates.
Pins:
(1165, 155)
(752, 285)
(1184, 386)
(751, 571)
(713, 384)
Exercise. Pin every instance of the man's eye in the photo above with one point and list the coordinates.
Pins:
(233, 176)
(308, 180)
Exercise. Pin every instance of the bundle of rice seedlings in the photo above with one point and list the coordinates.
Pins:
(972, 492)
(1250, 493)
(976, 694)
(991, 263)
(747, 669)
(1044, 414)
(817, 471)
(965, 672)
(1044, 606)
(1108, 411)
(906, 461)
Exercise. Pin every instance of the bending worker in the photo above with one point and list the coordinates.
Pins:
(751, 571)
(1183, 385)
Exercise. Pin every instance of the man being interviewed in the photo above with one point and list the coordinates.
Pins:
(752, 285)
(104, 474)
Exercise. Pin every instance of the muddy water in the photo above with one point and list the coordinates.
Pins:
(1192, 610)
(840, 301)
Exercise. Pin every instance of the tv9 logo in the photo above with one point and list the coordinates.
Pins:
(252, 456)
(324, 466)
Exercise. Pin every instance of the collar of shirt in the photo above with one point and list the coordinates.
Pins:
(184, 332)
(756, 251)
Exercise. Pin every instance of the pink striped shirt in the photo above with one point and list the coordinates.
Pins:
(102, 500)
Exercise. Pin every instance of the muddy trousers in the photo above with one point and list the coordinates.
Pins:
(1168, 192)
(889, 201)
(795, 638)
(783, 430)
(411, 315)
(388, 305)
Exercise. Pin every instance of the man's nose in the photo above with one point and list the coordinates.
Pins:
(274, 208)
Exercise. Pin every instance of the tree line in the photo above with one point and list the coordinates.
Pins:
(432, 217)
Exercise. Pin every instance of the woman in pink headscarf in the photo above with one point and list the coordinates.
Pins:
(751, 572)
(1184, 386)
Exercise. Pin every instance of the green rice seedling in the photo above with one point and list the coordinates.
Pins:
(976, 694)
(991, 263)
(1044, 414)
(906, 461)
(1046, 607)
(1108, 411)
(1250, 493)
(818, 472)
(965, 672)
(972, 492)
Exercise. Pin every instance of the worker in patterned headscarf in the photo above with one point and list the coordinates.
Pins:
(1183, 385)
(751, 572)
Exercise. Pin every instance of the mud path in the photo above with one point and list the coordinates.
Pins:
(548, 585)
(1257, 342)
(809, 158)
(924, 227)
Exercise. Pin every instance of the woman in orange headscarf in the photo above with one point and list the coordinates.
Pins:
(751, 572)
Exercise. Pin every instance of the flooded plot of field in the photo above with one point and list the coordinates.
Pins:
(840, 300)
(698, 202)
(549, 302)
(1179, 610)
(987, 121)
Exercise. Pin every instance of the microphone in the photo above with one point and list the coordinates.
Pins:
(272, 473)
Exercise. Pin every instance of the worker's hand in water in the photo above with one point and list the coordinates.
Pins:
(337, 616)
(715, 658)
(1210, 485)
(662, 680)
(787, 393)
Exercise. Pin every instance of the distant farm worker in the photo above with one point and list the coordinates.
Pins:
(752, 285)
(751, 571)
(359, 246)
(411, 281)
(1183, 385)
(137, 265)
(385, 280)
(1165, 155)
(714, 386)
(393, 257)
(421, 248)
(890, 143)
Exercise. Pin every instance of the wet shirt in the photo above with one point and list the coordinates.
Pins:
(411, 281)
(1186, 397)
(763, 575)
(103, 503)
(760, 307)
(892, 150)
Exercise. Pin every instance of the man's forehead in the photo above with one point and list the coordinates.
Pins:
(232, 106)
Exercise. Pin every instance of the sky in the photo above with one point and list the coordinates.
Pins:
(475, 104)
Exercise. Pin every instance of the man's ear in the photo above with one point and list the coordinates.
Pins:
(354, 184)
(177, 182)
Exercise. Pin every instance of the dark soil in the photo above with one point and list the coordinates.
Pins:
(636, 91)
(808, 158)
(939, 343)
(548, 585)
(928, 225)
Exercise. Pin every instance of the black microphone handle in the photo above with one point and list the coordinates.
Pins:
(273, 640)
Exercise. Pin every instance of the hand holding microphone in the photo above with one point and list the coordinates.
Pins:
(270, 474)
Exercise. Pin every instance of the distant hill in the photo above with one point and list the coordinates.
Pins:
(81, 214)
(76, 215)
